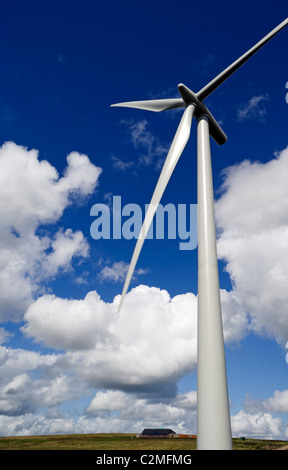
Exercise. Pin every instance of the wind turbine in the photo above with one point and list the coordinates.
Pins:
(213, 415)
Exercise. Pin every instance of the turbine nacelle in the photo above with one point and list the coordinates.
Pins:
(189, 97)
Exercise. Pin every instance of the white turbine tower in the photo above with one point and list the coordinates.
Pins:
(213, 415)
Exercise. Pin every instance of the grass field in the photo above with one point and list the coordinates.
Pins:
(121, 442)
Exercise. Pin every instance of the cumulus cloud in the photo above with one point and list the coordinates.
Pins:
(31, 381)
(5, 336)
(65, 245)
(111, 400)
(140, 410)
(30, 402)
(278, 403)
(151, 341)
(234, 317)
(23, 394)
(80, 175)
(33, 194)
(252, 220)
(138, 357)
(110, 411)
(257, 425)
(68, 323)
(133, 358)
(31, 190)
(33, 386)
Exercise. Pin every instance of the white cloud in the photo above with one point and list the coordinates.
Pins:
(15, 362)
(65, 245)
(150, 148)
(258, 425)
(111, 411)
(31, 190)
(31, 424)
(34, 385)
(33, 194)
(31, 381)
(117, 272)
(80, 175)
(68, 324)
(136, 409)
(5, 336)
(121, 165)
(252, 220)
(111, 400)
(254, 109)
(278, 403)
(151, 341)
(24, 394)
(234, 317)
(187, 400)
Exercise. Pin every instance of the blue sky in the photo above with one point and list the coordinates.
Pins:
(69, 361)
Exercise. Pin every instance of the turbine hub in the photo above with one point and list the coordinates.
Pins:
(189, 97)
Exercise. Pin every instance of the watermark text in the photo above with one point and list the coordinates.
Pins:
(170, 221)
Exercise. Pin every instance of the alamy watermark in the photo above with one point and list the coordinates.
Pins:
(286, 97)
(112, 221)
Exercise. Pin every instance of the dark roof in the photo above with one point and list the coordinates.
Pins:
(157, 432)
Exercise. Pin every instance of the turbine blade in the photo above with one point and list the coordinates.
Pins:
(176, 149)
(153, 105)
(210, 87)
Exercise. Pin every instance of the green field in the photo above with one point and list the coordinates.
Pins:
(122, 442)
